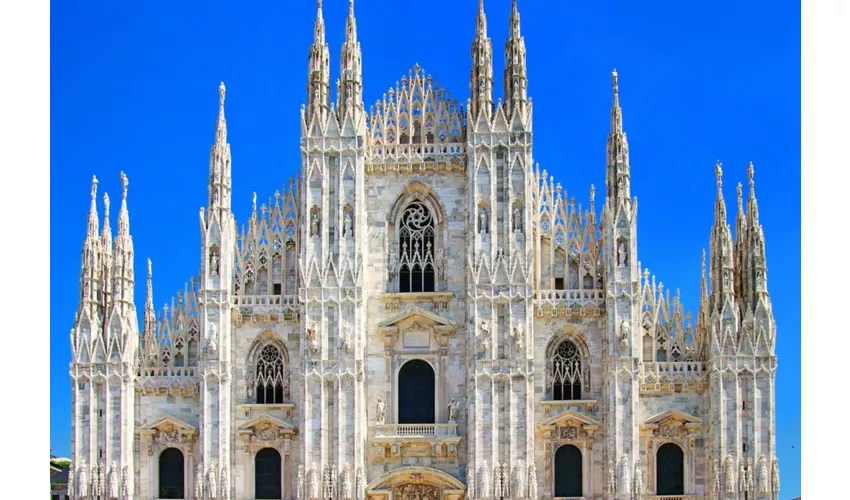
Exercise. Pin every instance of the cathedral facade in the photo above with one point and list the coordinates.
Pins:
(424, 314)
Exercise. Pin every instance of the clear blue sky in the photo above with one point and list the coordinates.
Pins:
(134, 88)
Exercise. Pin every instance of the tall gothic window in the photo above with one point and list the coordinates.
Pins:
(568, 471)
(670, 470)
(271, 381)
(416, 249)
(416, 393)
(171, 473)
(267, 474)
(566, 372)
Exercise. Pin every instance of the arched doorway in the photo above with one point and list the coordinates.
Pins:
(416, 393)
(568, 471)
(670, 470)
(171, 480)
(267, 474)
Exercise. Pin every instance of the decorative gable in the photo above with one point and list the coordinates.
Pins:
(569, 425)
(267, 428)
(416, 328)
(169, 430)
(672, 423)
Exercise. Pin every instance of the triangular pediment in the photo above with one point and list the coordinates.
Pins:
(675, 414)
(417, 318)
(570, 417)
(169, 424)
(266, 423)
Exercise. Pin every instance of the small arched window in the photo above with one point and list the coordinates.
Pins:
(416, 249)
(566, 372)
(670, 470)
(171, 479)
(271, 380)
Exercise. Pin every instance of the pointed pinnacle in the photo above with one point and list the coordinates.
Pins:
(481, 21)
(93, 219)
(614, 84)
(751, 175)
(123, 214)
(740, 192)
(718, 173)
(319, 36)
(351, 24)
(221, 124)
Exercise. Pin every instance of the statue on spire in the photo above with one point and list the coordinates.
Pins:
(124, 183)
(221, 91)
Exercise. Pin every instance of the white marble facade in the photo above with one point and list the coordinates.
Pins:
(424, 314)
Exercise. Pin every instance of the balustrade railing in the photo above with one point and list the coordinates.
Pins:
(266, 300)
(672, 369)
(168, 371)
(579, 297)
(383, 150)
(416, 430)
(669, 497)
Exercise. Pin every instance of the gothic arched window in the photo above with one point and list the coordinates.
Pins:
(568, 471)
(267, 474)
(670, 470)
(566, 372)
(171, 478)
(416, 393)
(416, 249)
(270, 381)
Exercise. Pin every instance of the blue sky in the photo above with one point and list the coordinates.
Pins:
(134, 88)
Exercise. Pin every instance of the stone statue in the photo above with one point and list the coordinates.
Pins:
(453, 406)
(312, 338)
(392, 263)
(347, 225)
(346, 483)
(470, 483)
(212, 486)
(497, 491)
(484, 335)
(212, 341)
(517, 220)
(360, 485)
(532, 481)
(762, 476)
(225, 484)
(214, 259)
(346, 337)
(440, 264)
(482, 221)
(625, 483)
(83, 484)
(774, 475)
(611, 480)
(113, 480)
(748, 477)
(379, 414)
(485, 480)
(517, 334)
(199, 482)
(99, 479)
(729, 475)
(518, 480)
(314, 481)
(71, 484)
(125, 482)
(640, 478)
(715, 472)
(315, 224)
(622, 255)
(299, 489)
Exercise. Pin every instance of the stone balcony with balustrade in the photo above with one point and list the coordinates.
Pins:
(174, 380)
(268, 307)
(416, 158)
(569, 303)
(392, 441)
(672, 376)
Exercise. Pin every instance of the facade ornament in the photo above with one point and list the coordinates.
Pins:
(774, 475)
(742, 475)
(125, 482)
(748, 481)
(453, 407)
(625, 335)
(212, 486)
(470, 483)
(346, 483)
(71, 485)
(212, 340)
(517, 220)
(379, 413)
(112, 480)
(532, 480)
(518, 335)
(315, 224)
(199, 482)
(83, 483)
(312, 337)
(392, 263)
(625, 483)
(611, 480)
(99, 479)
(484, 335)
(440, 264)
(214, 260)
(485, 479)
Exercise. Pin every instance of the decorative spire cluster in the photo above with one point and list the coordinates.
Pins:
(516, 73)
(350, 85)
(618, 173)
(481, 79)
(220, 164)
(318, 86)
